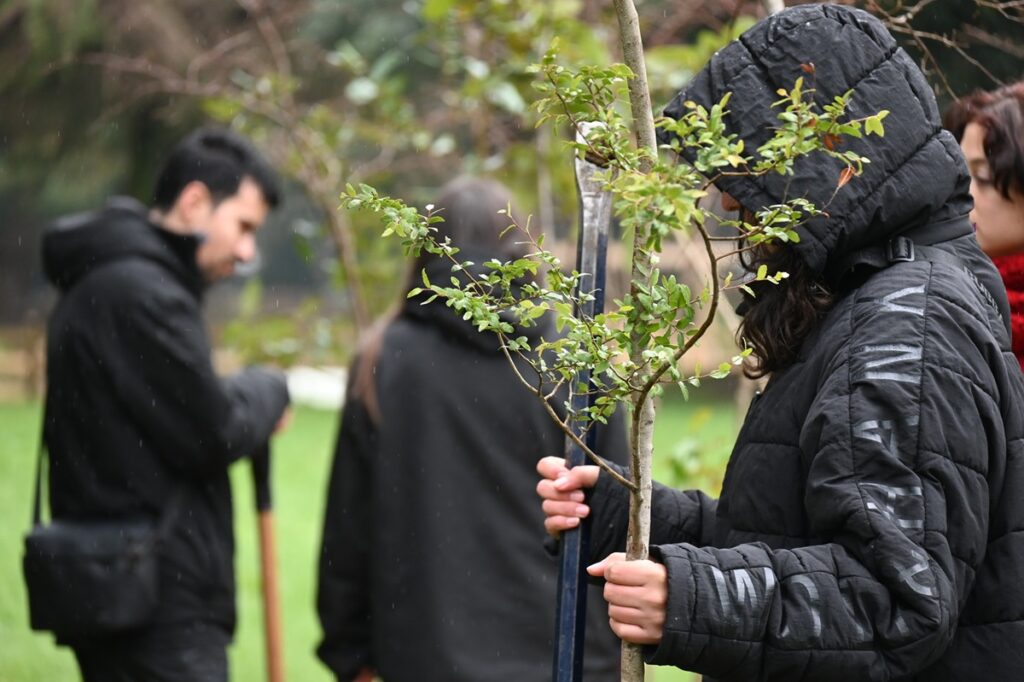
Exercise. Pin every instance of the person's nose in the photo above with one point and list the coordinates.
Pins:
(245, 250)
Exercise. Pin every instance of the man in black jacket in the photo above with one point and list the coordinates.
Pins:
(869, 526)
(137, 423)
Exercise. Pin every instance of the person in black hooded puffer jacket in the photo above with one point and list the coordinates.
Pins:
(870, 522)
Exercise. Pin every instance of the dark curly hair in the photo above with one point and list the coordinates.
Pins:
(778, 318)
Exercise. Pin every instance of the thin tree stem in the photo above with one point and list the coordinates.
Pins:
(641, 449)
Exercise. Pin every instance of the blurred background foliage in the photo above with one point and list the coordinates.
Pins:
(403, 94)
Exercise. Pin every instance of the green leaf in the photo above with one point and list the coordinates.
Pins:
(873, 124)
(683, 390)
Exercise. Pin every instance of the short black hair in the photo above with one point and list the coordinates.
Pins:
(219, 159)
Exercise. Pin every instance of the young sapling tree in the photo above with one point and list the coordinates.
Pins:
(634, 349)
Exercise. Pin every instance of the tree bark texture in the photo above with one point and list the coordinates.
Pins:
(638, 537)
(639, 92)
(642, 268)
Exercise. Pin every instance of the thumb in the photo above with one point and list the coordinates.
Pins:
(577, 478)
(597, 570)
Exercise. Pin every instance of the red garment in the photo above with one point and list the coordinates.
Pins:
(1012, 270)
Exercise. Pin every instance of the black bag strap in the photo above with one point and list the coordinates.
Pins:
(167, 516)
(37, 501)
(918, 244)
(906, 246)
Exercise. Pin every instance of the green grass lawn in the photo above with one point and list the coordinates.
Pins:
(692, 442)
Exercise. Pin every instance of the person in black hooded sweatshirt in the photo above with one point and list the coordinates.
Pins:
(433, 567)
(135, 416)
(870, 522)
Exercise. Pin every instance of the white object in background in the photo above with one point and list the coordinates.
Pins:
(320, 387)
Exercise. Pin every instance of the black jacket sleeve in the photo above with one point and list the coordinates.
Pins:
(896, 439)
(676, 516)
(679, 516)
(165, 379)
(343, 591)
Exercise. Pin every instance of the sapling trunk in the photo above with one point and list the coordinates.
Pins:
(641, 444)
(638, 537)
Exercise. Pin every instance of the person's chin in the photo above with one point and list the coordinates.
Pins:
(214, 275)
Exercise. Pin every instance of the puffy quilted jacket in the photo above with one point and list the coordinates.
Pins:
(871, 523)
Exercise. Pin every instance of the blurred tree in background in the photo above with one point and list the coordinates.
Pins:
(403, 94)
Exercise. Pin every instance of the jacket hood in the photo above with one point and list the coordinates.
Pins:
(450, 321)
(76, 245)
(917, 174)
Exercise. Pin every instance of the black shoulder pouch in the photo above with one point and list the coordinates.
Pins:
(88, 578)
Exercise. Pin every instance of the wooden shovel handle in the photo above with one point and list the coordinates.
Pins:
(271, 598)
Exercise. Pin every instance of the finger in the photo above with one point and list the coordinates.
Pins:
(551, 467)
(556, 524)
(630, 573)
(546, 490)
(628, 615)
(632, 597)
(633, 633)
(559, 508)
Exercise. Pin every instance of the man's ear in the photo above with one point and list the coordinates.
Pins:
(194, 203)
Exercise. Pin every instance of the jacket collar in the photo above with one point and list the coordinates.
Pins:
(76, 245)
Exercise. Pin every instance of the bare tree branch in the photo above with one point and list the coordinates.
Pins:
(982, 36)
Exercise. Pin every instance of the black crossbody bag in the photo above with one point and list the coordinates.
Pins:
(89, 578)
